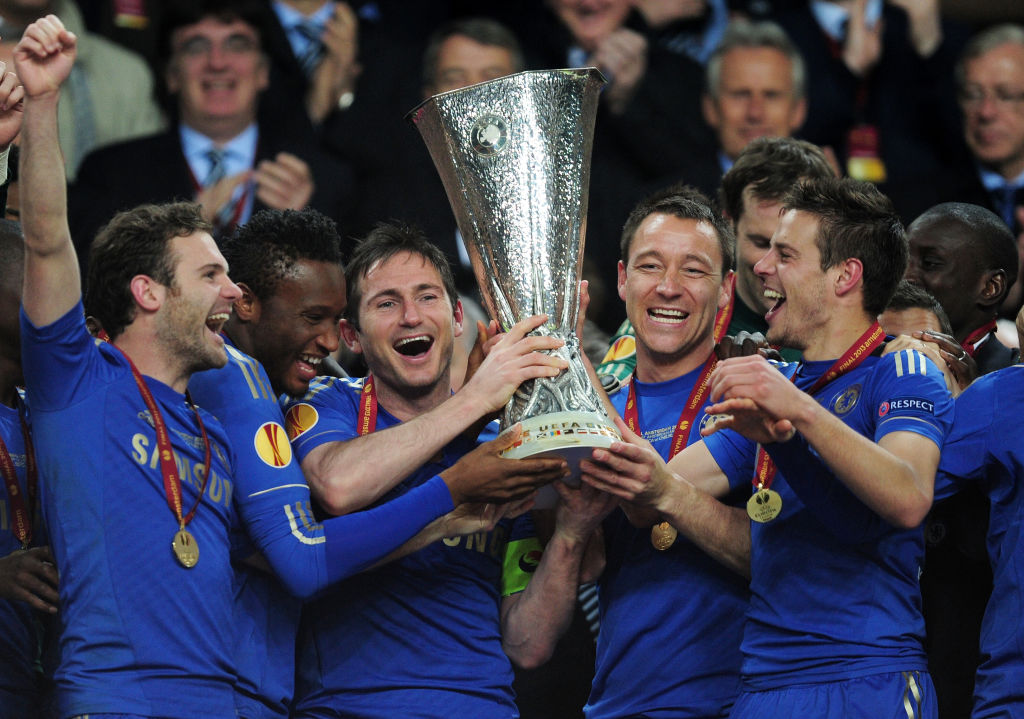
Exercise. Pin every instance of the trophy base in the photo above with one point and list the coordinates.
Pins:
(572, 436)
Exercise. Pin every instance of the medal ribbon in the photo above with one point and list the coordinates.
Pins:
(973, 341)
(872, 339)
(22, 513)
(367, 407)
(168, 467)
(686, 417)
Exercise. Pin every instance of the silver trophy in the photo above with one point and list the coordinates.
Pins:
(514, 157)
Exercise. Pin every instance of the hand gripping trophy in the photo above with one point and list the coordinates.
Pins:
(514, 157)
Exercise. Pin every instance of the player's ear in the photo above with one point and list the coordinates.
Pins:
(994, 289)
(725, 290)
(849, 276)
(458, 317)
(247, 307)
(149, 295)
(350, 336)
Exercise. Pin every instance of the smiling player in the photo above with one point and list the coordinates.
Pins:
(841, 451)
(469, 601)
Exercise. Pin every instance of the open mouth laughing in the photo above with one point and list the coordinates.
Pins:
(667, 315)
(308, 365)
(215, 322)
(777, 298)
(415, 346)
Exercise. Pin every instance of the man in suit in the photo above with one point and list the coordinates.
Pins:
(991, 96)
(222, 151)
(313, 47)
(991, 99)
(755, 88)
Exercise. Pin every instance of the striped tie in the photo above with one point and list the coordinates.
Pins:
(218, 169)
(310, 57)
(222, 221)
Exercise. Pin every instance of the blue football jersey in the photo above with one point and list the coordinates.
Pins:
(420, 636)
(671, 621)
(141, 634)
(987, 446)
(834, 589)
(19, 627)
(273, 502)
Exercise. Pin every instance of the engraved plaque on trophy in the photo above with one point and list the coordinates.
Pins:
(514, 157)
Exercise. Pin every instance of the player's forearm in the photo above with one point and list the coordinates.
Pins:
(720, 531)
(347, 476)
(837, 509)
(534, 620)
(52, 284)
(44, 191)
(307, 557)
(886, 483)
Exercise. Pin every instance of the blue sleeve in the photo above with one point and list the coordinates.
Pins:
(735, 456)
(273, 498)
(965, 455)
(308, 556)
(906, 393)
(62, 362)
(327, 413)
(909, 395)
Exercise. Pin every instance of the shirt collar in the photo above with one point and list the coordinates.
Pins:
(832, 17)
(239, 151)
(724, 161)
(290, 18)
(994, 181)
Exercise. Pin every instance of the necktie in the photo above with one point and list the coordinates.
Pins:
(222, 221)
(310, 57)
(218, 168)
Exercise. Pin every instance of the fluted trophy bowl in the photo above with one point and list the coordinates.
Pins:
(514, 157)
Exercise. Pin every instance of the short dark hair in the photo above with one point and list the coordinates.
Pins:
(383, 242)
(479, 29)
(135, 242)
(686, 203)
(856, 221)
(993, 246)
(263, 251)
(770, 167)
(909, 296)
(182, 13)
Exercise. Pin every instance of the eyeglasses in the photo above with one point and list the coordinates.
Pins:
(974, 97)
(199, 45)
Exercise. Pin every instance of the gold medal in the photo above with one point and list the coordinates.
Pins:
(663, 536)
(185, 548)
(764, 505)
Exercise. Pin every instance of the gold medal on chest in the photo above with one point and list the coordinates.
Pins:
(185, 548)
(764, 505)
(663, 536)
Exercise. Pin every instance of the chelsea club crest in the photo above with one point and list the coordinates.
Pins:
(846, 400)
